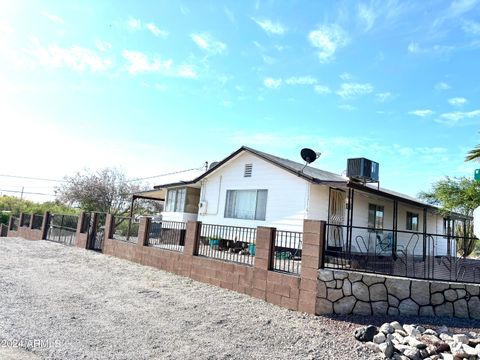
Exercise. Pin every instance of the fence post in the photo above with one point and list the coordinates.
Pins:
(10, 222)
(312, 260)
(109, 221)
(32, 215)
(45, 225)
(192, 236)
(143, 230)
(20, 220)
(264, 248)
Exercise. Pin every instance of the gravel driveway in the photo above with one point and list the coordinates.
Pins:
(59, 302)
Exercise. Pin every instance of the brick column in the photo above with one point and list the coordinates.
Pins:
(81, 220)
(192, 236)
(312, 260)
(143, 230)
(109, 222)
(10, 222)
(264, 248)
(45, 224)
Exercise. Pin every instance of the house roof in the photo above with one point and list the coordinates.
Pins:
(311, 174)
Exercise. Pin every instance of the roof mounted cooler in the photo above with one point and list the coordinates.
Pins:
(363, 170)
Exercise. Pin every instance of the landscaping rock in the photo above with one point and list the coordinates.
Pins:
(387, 349)
(379, 338)
(366, 333)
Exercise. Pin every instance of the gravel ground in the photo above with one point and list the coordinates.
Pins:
(59, 302)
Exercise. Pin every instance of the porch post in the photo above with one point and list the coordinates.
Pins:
(351, 196)
(395, 227)
(464, 238)
(131, 214)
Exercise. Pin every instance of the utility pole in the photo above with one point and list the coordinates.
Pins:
(21, 195)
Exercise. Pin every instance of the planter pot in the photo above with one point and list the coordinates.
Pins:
(214, 243)
(252, 249)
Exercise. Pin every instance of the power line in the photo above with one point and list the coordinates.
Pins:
(30, 178)
(172, 173)
(26, 192)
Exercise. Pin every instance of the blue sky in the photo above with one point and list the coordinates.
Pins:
(159, 86)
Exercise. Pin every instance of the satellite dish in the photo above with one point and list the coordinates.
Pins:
(309, 155)
(212, 165)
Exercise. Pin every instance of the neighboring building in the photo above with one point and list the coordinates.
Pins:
(251, 188)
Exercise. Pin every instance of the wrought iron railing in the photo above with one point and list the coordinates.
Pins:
(287, 254)
(228, 243)
(37, 222)
(399, 253)
(125, 229)
(62, 229)
(25, 220)
(169, 235)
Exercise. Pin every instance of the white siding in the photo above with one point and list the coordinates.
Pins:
(286, 201)
(318, 202)
(178, 216)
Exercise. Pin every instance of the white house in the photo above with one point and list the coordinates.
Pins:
(250, 188)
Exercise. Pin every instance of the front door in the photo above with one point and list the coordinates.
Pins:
(336, 219)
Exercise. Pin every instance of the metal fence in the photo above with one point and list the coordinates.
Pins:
(399, 253)
(168, 235)
(25, 220)
(287, 252)
(15, 223)
(124, 229)
(62, 229)
(229, 243)
(37, 222)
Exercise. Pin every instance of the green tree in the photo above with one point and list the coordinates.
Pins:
(473, 154)
(106, 190)
(461, 195)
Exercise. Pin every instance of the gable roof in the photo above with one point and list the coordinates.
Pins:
(310, 174)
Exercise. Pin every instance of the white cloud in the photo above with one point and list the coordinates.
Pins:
(134, 24)
(156, 31)
(268, 59)
(328, 39)
(367, 16)
(301, 80)
(382, 97)
(322, 89)
(208, 43)
(421, 113)
(53, 18)
(75, 57)
(471, 27)
(347, 107)
(230, 15)
(271, 27)
(139, 62)
(103, 45)
(415, 48)
(161, 87)
(346, 76)
(272, 83)
(350, 90)
(457, 101)
(453, 118)
(6, 28)
(442, 86)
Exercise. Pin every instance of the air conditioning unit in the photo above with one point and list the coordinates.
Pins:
(362, 169)
(202, 207)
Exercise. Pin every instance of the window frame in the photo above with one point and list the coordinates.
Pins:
(171, 203)
(409, 223)
(372, 223)
(256, 211)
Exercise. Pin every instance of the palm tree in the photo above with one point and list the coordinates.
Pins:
(473, 154)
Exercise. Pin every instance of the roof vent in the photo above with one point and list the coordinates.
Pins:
(362, 169)
(248, 170)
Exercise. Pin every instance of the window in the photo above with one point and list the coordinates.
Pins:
(375, 216)
(246, 204)
(412, 221)
(175, 200)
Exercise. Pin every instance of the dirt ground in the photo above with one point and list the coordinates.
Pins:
(60, 302)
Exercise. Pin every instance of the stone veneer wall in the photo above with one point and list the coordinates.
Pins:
(348, 292)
